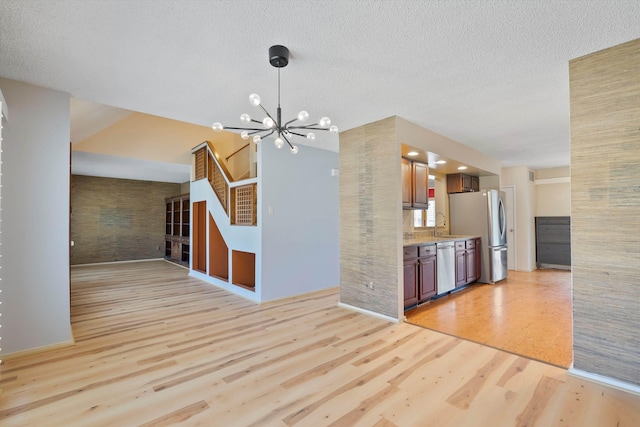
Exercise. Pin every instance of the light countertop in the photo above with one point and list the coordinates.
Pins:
(415, 239)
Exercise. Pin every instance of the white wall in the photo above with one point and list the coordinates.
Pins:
(35, 228)
(518, 176)
(300, 238)
(553, 192)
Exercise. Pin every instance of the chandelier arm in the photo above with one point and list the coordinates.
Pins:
(232, 128)
(286, 139)
(307, 127)
(269, 134)
(296, 133)
(288, 123)
(268, 115)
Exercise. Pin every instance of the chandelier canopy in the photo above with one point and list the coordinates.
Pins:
(279, 58)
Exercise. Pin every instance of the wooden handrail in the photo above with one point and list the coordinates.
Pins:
(236, 152)
(223, 167)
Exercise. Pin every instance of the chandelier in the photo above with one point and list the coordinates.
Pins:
(279, 58)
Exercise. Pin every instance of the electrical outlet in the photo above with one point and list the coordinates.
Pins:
(370, 286)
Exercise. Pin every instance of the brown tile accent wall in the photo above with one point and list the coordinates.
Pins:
(117, 219)
(370, 201)
(605, 211)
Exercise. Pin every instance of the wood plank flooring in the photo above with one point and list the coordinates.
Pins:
(528, 314)
(155, 347)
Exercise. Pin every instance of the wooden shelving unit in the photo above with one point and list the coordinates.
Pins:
(177, 229)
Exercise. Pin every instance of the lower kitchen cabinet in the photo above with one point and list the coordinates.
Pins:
(410, 282)
(467, 261)
(426, 278)
(461, 267)
(419, 274)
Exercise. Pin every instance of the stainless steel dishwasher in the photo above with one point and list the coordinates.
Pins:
(446, 272)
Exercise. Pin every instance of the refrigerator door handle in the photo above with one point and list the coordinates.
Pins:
(503, 221)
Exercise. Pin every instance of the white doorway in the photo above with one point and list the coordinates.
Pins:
(510, 207)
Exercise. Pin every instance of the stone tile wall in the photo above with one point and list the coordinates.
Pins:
(117, 219)
(605, 211)
(370, 224)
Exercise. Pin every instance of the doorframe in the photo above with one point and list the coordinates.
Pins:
(511, 189)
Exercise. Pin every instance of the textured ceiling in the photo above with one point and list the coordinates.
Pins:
(490, 74)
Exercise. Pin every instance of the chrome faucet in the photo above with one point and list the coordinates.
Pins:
(435, 226)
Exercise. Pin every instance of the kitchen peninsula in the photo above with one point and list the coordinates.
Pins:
(434, 266)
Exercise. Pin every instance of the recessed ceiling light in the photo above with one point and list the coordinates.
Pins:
(441, 162)
(461, 168)
(412, 153)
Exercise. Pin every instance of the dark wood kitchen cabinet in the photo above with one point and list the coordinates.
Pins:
(419, 274)
(467, 256)
(420, 183)
(426, 272)
(462, 183)
(410, 276)
(478, 251)
(406, 183)
(461, 264)
(410, 282)
(415, 185)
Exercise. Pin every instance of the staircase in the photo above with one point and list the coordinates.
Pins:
(225, 232)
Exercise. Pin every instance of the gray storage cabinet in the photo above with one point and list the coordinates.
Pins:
(553, 241)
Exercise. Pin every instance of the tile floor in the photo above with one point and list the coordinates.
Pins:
(527, 314)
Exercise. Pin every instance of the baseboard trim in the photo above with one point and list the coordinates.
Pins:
(118, 262)
(252, 296)
(301, 295)
(368, 312)
(607, 381)
(186, 267)
(554, 266)
(37, 350)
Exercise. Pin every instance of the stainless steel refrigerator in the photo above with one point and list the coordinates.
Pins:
(482, 214)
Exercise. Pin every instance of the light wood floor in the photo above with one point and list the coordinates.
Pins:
(156, 348)
(528, 314)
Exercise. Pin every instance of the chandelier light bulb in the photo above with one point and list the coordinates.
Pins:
(244, 134)
(303, 116)
(294, 150)
(279, 143)
(254, 99)
(257, 138)
(333, 128)
(325, 122)
(245, 118)
(311, 136)
(268, 122)
(217, 127)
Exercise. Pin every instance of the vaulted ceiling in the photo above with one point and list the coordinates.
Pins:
(490, 74)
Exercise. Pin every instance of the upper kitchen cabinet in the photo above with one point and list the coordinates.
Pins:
(406, 183)
(462, 183)
(415, 185)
